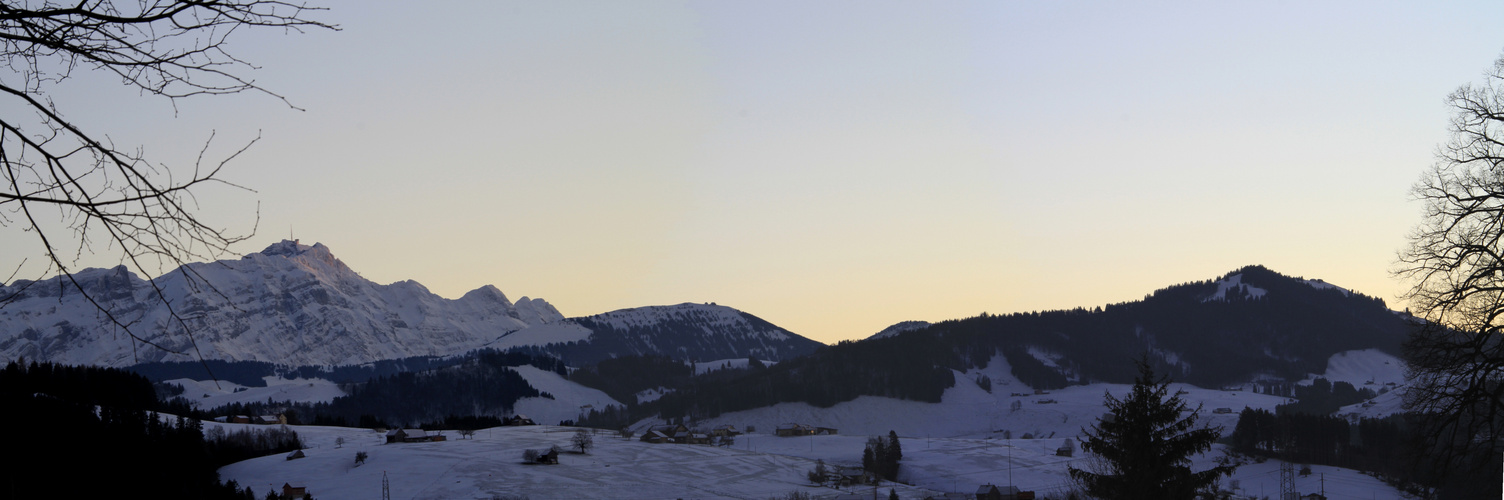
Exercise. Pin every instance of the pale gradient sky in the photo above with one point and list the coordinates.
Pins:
(832, 167)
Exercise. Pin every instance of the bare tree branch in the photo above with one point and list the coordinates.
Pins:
(1455, 262)
(50, 165)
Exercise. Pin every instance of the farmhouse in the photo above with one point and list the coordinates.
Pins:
(411, 436)
(793, 429)
(519, 419)
(990, 492)
(290, 491)
(848, 476)
(667, 434)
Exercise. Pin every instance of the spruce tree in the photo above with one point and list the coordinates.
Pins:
(1146, 445)
(894, 454)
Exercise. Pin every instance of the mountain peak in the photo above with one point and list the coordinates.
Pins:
(488, 293)
(288, 248)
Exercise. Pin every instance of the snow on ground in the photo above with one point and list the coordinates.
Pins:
(966, 410)
(1361, 367)
(207, 395)
(1322, 285)
(1370, 369)
(562, 332)
(704, 367)
(1233, 282)
(1261, 480)
(651, 394)
(491, 464)
(758, 466)
(570, 398)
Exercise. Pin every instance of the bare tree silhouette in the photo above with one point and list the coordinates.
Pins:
(1455, 261)
(98, 192)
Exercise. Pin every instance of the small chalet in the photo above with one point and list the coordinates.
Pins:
(825, 431)
(550, 458)
(990, 492)
(849, 476)
(656, 437)
(697, 438)
(290, 491)
(519, 419)
(296, 454)
(667, 434)
(270, 419)
(790, 429)
(409, 436)
(724, 430)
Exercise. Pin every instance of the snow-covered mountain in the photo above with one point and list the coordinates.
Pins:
(291, 303)
(691, 332)
(900, 327)
(297, 304)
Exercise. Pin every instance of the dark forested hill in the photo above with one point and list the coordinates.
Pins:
(1250, 324)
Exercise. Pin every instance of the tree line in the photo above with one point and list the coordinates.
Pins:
(103, 424)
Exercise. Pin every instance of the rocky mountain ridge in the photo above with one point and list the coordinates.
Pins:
(295, 304)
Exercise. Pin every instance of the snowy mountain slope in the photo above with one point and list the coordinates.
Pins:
(295, 304)
(569, 398)
(899, 327)
(966, 410)
(291, 303)
(1249, 324)
(690, 332)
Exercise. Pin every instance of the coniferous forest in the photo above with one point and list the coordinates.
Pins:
(101, 424)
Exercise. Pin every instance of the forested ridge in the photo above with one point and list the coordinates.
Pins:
(103, 423)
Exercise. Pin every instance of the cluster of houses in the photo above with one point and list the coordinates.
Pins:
(245, 419)
(793, 429)
(679, 434)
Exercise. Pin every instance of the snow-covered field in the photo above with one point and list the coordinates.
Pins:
(208, 394)
(953, 446)
(966, 410)
(758, 467)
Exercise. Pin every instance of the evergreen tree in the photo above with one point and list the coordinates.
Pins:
(894, 454)
(1146, 445)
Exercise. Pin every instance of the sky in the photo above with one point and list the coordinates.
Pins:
(831, 167)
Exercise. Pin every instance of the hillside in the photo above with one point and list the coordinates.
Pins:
(689, 332)
(1251, 328)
